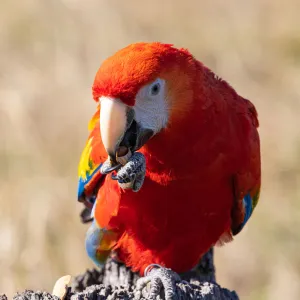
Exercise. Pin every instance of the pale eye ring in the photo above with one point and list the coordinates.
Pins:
(155, 89)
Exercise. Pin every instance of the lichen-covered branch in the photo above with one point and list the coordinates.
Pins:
(115, 281)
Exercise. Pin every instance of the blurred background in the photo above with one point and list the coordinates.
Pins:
(49, 54)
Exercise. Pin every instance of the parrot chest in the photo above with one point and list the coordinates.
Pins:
(181, 219)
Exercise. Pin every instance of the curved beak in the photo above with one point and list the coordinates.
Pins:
(115, 118)
(118, 127)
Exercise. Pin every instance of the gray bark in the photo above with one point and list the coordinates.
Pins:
(115, 281)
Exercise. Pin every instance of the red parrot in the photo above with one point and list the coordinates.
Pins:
(173, 160)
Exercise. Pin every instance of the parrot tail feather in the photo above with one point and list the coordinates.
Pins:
(99, 243)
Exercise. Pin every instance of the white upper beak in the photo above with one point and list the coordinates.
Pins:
(113, 122)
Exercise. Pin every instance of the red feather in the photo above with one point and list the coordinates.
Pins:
(108, 202)
(198, 169)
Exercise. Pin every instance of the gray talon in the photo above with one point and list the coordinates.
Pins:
(160, 278)
(132, 175)
(107, 167)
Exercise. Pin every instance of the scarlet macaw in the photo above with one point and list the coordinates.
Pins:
(172, 159)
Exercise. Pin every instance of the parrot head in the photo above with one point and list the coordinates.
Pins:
(143, 90)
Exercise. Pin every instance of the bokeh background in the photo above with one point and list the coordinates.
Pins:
(49, 54)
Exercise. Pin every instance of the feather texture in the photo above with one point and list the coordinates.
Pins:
(93, 155)
(100, 239)
(203, 171)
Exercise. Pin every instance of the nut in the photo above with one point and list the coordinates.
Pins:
(61, 286)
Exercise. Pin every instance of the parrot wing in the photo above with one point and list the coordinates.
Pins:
(99, 192)
(92, 157)
(244, 203)
(246, 183)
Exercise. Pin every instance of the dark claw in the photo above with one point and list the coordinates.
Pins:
(114, 177)
(111, 169)
(86, 216)
(122, 179)
(87, 203)
(126, 180)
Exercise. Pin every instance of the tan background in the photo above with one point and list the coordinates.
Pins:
(49, 53)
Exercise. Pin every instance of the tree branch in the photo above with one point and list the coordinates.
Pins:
(115, 281)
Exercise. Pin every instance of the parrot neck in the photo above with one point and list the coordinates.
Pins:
(172, 152)
(176, 149)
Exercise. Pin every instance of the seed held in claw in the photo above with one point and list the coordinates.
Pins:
(123, 155)
(122, 151)
(61, 286)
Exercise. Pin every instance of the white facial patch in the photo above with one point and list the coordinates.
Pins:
(151, 107)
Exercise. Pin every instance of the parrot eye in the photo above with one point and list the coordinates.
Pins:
(155, 88)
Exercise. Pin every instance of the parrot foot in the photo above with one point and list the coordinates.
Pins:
(159, 278)
(132, 174)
